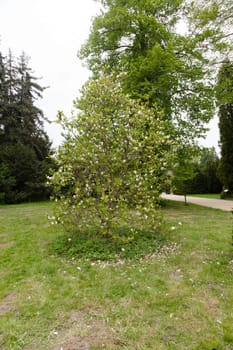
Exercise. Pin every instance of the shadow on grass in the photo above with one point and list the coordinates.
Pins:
(88, 245)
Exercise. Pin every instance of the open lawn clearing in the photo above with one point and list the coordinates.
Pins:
(179, 297)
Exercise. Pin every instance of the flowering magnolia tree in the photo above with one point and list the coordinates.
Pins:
(112, 163)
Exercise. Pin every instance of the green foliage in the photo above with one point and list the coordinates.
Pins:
(224, 88)
(114, 158)
(225, 99)
(162, 65)
(91, 246)
(24, 145)
(206, 179)
(201, 174)
(215, 16)
(183, 169)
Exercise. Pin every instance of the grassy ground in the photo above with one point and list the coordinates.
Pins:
(178, 298)
(206, 195)
(211, 195)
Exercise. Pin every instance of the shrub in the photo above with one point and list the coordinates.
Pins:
(113, 160)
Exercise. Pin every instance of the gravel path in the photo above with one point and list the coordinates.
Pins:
(207, 202)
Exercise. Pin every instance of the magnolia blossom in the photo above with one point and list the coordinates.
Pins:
(114, 158)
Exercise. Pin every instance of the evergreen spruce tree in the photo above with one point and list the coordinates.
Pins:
(24, 145)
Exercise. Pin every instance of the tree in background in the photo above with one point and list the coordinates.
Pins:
(24, 145)
(113, 160)
(206, 179)
(225, 101)
(201, 173)
(176, 71)
(183, 170)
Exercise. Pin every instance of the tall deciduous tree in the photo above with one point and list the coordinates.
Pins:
(24, 145)
(142, 38)
(225, 99)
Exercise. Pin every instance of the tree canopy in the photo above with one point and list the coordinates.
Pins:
(163, 65)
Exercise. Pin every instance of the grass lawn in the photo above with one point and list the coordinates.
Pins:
(206, 195)
(210, 195)
(178, 298)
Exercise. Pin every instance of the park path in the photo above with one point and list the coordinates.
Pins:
(207, 202)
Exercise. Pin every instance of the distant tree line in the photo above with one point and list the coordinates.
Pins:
(203, 175)
(24, 145)
(209, 173)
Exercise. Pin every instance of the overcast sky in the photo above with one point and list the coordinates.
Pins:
(51, 32)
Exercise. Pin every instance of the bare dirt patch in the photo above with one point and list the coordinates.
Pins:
(176, 275)
(7, 304)
(83, 332)
(5, 245)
